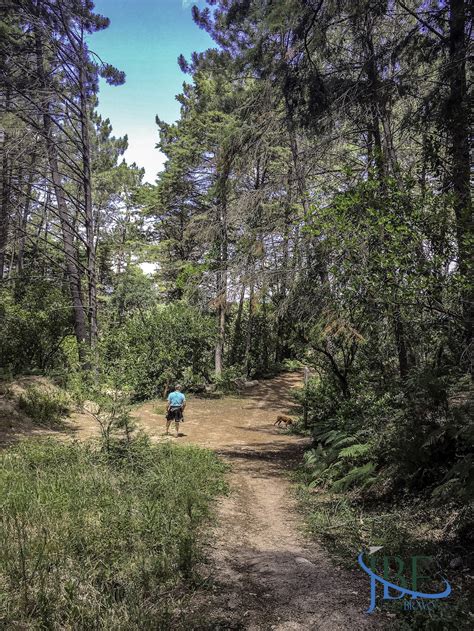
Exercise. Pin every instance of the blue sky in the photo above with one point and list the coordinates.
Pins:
(144, 40)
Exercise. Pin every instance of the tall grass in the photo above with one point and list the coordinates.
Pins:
(46, 406)
(347, 527)
(92, 540)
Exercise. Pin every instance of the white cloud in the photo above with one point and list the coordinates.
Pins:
(141, 149)
(149, 268)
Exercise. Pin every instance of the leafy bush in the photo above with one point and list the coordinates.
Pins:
(193, 382)
(344, 435)
(154, 349)
(417, 438)
(228, 380)
(46, 406)
(33, 322)
(292, 365)
(93, 540)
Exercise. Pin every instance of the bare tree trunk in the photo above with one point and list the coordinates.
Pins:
(221, 308)
(23, 220)
(265, 356)
(223, 262)
(283, 289)
(5, 197)
(373, 86)
(4, 212)
(88, 211)
(248, 337)
(238, 325)
(72, 266)
(383, 162)
(459, 129)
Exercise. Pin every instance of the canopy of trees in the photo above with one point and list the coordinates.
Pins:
(315, 206)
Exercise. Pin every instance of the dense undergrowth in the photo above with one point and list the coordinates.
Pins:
(393, 468)
(101, 538)
(347, 525)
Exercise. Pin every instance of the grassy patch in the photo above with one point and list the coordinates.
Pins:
(159, 408)
(45, 406)
(347, 527)
(95, 540)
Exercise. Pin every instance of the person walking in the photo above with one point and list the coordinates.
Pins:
(175, 409)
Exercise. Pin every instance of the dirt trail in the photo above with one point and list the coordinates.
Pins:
(265, 574)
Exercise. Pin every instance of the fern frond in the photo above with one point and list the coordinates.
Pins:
(359, 476)
(355, 451)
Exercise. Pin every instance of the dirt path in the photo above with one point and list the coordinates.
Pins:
(265, 574)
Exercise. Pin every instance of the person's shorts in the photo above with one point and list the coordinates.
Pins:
(175, 414)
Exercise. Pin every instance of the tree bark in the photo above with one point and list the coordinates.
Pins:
(221, 296)
(238, 326)
(222, 245)
(88, 210)
(72, 266)
(23, 221)
(5, 197)
(459, 120)
(248, 337)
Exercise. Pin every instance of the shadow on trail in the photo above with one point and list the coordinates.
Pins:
(279, 455)
(275, 393)
(17, 428)
(285, 587)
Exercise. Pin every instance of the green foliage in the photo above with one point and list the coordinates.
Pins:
(420, 438)
(431, 436)
(33, 322)
(347, 526)
(153, 349)
(133, 292)
(46, 406)
(228, 380)
(111, 411)
(193, 382)
(97, 540)
(292, 365)
(360, 476)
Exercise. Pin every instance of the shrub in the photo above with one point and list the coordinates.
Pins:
(46, 406)
(193, 382)
(94, 540)
(228, 380)
(292, 365)
(154, 349)
(33, 322)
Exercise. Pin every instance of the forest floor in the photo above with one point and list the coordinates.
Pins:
(264, 573)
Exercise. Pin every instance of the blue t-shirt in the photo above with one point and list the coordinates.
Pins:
(176, 399)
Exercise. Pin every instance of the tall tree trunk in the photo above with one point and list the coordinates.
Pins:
(459, 129)
(238, 326)
(222, 245)
(221, 296)
(72, 265)
(5, 196)
(383, 162)
(4, 211)
(280, 346)
(374, 108)
(23, 220)
(88, 210)
(265, 340)
(248, 336)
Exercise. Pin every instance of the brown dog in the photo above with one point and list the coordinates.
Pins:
(282, 418)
